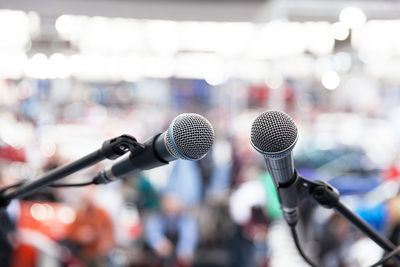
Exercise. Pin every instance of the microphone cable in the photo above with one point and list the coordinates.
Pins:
(299, 248)
(71, 185)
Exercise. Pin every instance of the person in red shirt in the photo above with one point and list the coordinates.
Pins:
(92, 232)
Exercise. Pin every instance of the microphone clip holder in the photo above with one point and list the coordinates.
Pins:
(329, 197)
(325, 194)
(118, 146)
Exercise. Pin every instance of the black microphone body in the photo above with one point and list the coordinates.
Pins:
(274, 134)
(189, 136)
(155, 154)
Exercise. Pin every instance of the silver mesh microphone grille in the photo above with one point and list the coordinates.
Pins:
(273, 133)
(190, 136)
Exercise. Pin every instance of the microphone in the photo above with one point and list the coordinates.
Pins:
(274, 135)
(189, 136)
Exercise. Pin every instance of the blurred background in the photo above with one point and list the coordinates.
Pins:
(76, 73)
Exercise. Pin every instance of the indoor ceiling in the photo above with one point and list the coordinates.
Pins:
(207, 10)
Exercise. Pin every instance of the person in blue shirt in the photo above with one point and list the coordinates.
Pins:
(172, 233)
(185, 181)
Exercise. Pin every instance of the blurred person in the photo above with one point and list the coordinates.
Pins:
(142, 192)
(172, 233)
(334, 241)
(8, 237)
(242, 156)
(385, 218)
(253, 206)
(221, 170)
(8, 228)
(207, 169)
(91, 235)
(185, 181)
(335, 237)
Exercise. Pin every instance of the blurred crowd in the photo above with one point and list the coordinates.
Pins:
(220, 211)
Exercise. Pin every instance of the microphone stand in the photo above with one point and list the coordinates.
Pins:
(328, 197)
(111, 149)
